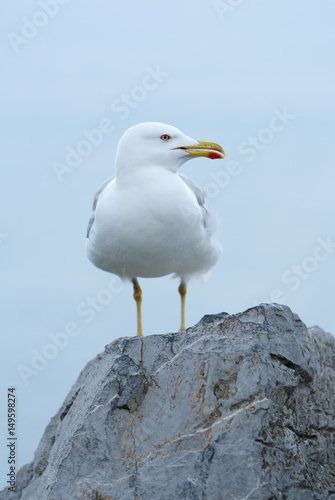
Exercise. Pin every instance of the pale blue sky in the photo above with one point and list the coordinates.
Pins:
(258, 79)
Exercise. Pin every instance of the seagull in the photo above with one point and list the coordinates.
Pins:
(149, 220)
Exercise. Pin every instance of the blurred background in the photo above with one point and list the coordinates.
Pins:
(256, 77)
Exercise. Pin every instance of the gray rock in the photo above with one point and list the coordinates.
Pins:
(237, 407)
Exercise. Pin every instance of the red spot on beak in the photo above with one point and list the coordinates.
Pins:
(214, 156)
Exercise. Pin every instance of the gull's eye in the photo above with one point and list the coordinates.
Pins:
(165, 137)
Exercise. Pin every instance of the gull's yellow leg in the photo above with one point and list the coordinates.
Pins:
(182, 291)
(138, 299)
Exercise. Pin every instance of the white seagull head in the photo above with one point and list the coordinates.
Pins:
(158, 144)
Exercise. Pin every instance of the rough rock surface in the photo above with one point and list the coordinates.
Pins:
(238, 407)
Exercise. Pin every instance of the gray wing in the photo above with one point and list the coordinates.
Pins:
(95, 202)
(200, 196)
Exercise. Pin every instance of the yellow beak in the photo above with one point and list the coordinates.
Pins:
(205, 148)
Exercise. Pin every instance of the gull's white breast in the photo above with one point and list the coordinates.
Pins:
(150, 226)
